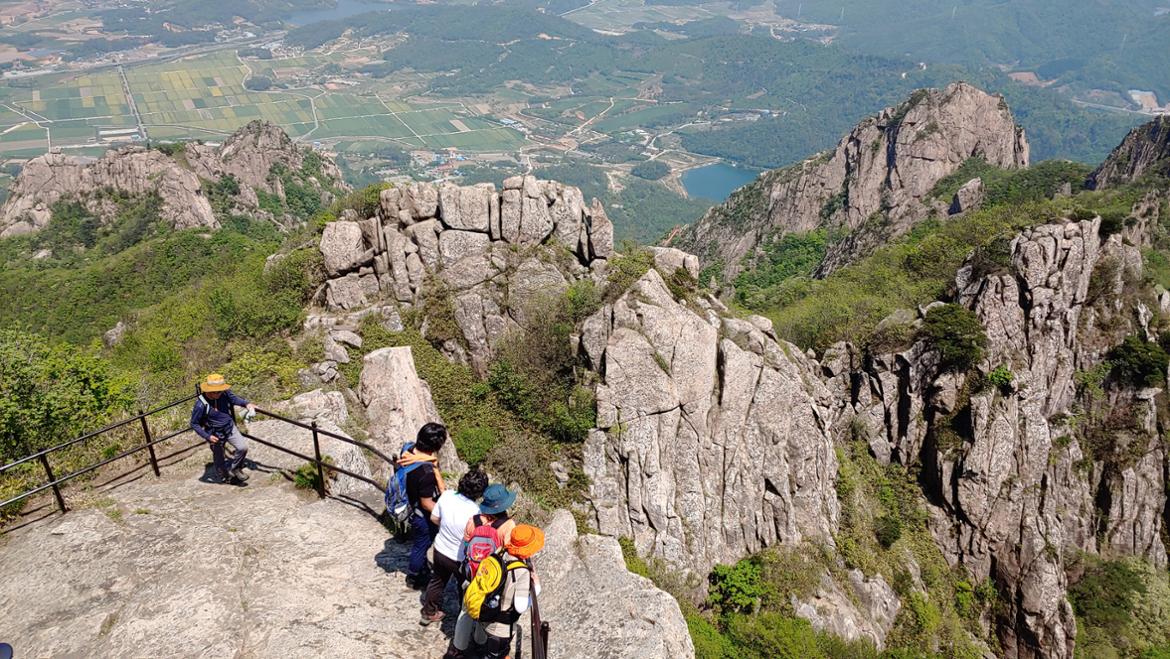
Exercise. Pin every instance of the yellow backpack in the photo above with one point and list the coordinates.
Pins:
(482, 598)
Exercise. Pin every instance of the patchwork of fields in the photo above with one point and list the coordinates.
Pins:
(205, 98)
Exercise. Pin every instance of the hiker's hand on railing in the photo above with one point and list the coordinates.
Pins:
(250, 414)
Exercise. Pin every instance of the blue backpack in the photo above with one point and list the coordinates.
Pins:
(397, 502)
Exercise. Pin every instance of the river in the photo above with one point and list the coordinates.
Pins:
(717, 182)
(344, 9)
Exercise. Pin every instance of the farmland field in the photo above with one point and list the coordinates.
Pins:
(204, 97)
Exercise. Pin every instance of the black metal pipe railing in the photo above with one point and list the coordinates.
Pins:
(313, 427)
(54, 482)
(91, 435)
(319, 463)
(539, 631)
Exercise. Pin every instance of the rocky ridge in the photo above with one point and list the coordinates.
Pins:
(1145, 150)
(1020, 494)
(716, 439)
(871, 188)
(180, 180)
(470, 258)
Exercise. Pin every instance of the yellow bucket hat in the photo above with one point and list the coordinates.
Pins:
(214, 382)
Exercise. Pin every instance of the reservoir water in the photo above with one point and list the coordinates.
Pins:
(344, 9)
(717, 182)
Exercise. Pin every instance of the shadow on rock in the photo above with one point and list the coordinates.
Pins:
(394, 557)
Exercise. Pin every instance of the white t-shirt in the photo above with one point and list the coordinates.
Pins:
(453, 510)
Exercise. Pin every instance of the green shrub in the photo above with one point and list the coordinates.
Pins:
(634, 563)
(792, 255)
(888, 529)
(583, 298)
(365, 202)
(957, 334)
(1104, 596)
(848, 304)
(1139, 363)
(534, 372)
(924, 614)
(462, 400)
(1001, 378)
(890, 337)
(51, 392)
(474, 442)
(250, 311)
(297, 275)
(624, 270)
(709, 642)
(736, 588)
(266, 374)
(1112, 221)
(773, 635)
(306, 477)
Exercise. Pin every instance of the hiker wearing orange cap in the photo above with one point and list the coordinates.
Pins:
(500, 593)
(524, 542)
(213, 420)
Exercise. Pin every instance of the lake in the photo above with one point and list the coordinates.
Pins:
(717, 182)
(344, 9)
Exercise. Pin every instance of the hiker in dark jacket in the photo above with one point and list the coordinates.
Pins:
(423, 487)
(212, 419)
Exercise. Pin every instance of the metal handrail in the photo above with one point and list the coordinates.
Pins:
(54, 482)
(348, 440)
(95, 433)
(539, 631)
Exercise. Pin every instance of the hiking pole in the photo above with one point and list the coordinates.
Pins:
(519, 641)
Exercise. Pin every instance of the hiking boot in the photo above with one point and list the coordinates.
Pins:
(239, 475)
(427, 619)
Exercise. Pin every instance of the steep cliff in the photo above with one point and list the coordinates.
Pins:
(259, 159)
(1023, 476)
(872, 187)
(1145, 150)
(712, 439)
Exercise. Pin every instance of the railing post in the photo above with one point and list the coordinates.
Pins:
(53, 481)
(320, 469)
(149, 445)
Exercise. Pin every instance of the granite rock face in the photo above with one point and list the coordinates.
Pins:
(398, 403)
(1017, 487)
(471, 259)
(249, 156)
(873, 186)
(1145, 150)
(859, 609)
(968, 198)
(601, 610)
(712, 437)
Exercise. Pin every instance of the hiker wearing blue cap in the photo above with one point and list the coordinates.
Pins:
(493, 511)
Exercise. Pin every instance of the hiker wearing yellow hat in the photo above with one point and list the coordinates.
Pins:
(212, 419)
(501, 592)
